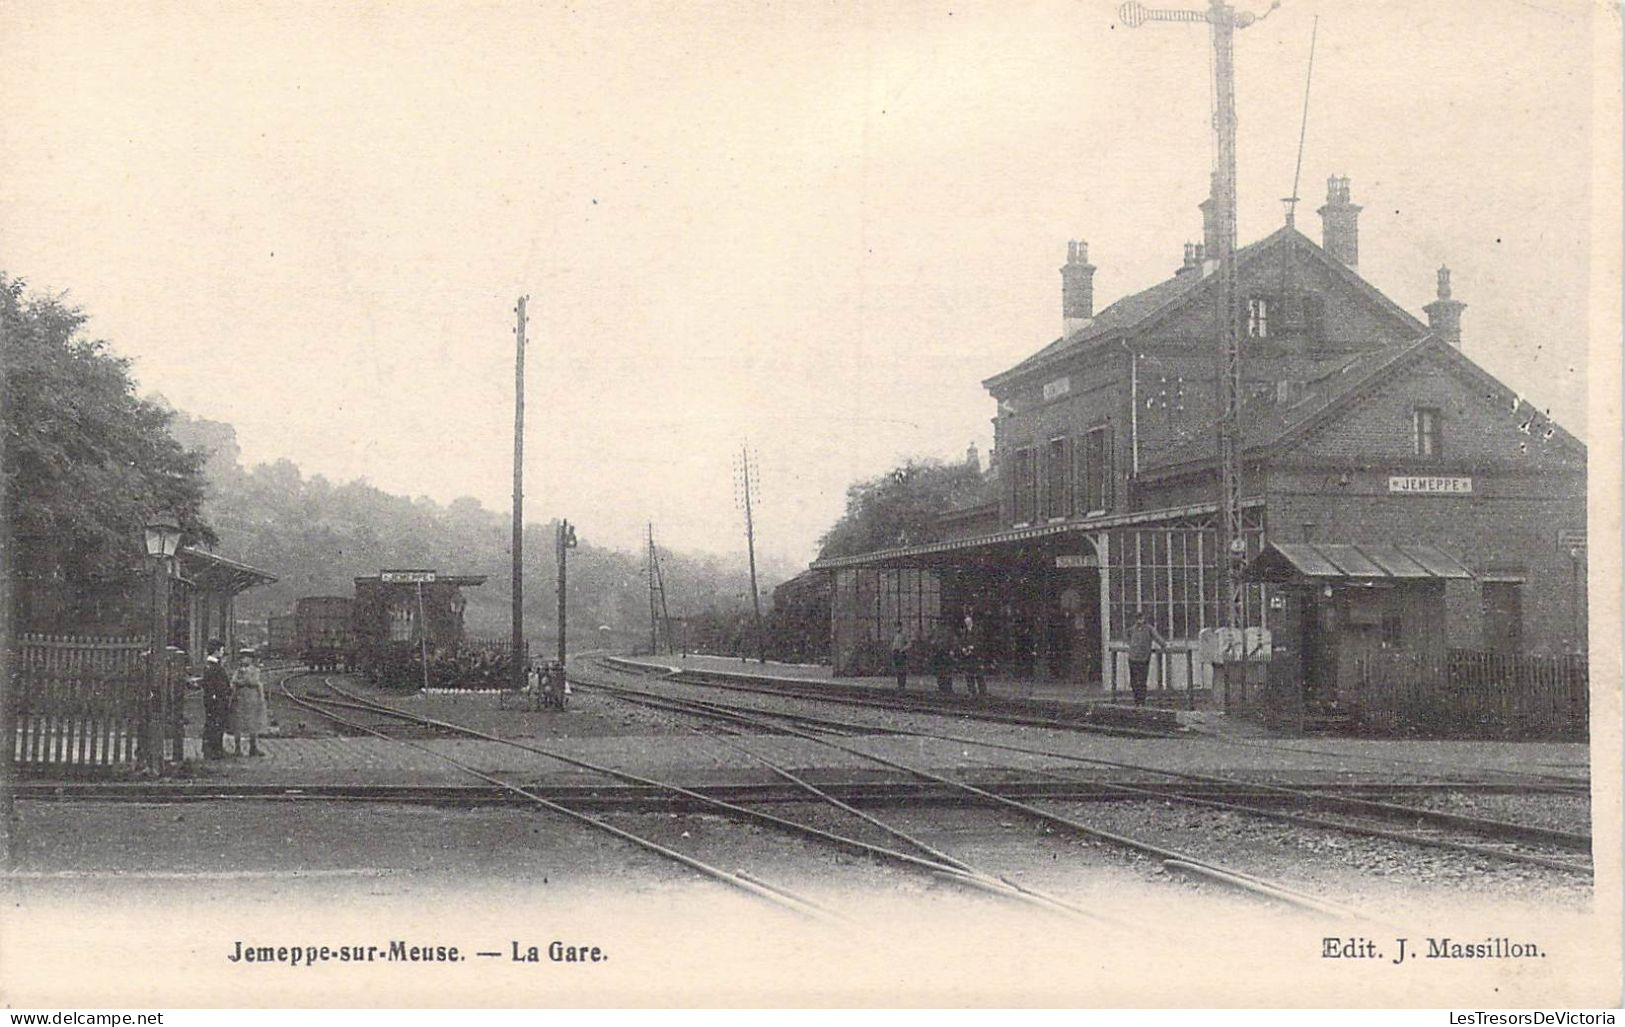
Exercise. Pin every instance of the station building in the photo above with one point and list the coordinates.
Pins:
(1396, 495)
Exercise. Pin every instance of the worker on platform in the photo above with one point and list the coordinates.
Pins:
(942, 658)
(1141, 637)
(973, 657)
(216, 700)
(899, 656)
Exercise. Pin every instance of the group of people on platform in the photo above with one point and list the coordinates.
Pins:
(233, 702)
(951, 654)
(956, 653)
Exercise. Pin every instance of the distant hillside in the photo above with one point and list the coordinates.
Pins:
(317, 536)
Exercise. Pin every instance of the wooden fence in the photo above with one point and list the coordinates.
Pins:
(1471, 694)
(77, 701)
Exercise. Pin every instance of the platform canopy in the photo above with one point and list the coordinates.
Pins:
(1321, 561)
(216, 573)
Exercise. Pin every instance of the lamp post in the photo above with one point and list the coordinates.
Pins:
(163, 538)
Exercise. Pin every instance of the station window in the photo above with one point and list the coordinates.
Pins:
(1258, 317)
(1427, 432)
(1057, 480)
(1025, 478)
(1095, 470)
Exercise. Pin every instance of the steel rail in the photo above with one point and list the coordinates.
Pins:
(1362, 830)
(1484, 826)
(881, 702)
(776, 896)
(1054, 787)
(1543, 778)
(890, 701)
(984, 882)
(1032, 894)
(1170, 858)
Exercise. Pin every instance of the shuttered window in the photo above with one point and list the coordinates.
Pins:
(1057, 479)
(1025, 484)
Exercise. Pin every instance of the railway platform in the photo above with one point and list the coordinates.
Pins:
(1164, 708)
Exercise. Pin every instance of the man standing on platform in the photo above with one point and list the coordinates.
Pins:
(216, 701)
(899, 656)
(1140, 639)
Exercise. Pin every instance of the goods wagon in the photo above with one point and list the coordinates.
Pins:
(280, 635)
(323, 633)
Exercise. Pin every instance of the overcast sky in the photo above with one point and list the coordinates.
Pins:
(817, 226)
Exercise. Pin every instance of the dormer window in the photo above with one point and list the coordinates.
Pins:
(1258, 318)
(1427, 431)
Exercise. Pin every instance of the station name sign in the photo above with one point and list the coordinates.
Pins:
(1074, 560)
(1057, 388)
(1429, 486)
(407, 577)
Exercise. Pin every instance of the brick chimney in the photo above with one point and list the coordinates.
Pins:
(1211, 244)
(1340, 223)
(1193, 259)
(1444, 313)
(1077, 289)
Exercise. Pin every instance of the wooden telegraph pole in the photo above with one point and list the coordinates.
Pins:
(516, 662)
(565, 541)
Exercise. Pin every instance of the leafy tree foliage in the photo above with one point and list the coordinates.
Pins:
(317, 536)
(900, 507)
(86, 462)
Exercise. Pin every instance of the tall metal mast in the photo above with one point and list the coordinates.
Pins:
(1223, 20)
(516, 662)
(654, 614)
(659, 617)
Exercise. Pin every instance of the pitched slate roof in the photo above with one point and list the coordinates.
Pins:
(1139, 309)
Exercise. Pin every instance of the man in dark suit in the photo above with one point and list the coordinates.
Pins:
(216, 701)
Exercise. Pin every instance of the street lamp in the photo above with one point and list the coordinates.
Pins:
(163, 539)
(163, 536)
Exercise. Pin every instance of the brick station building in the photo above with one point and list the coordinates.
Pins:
(1396, 495)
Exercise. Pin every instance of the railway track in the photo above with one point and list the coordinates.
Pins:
(964, 708)
(635, 797)
(1171, 859)
(928, 859)
(1349, 809)
(998, 711)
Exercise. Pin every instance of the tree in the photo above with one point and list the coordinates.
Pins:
(900, 507)
(87, 463)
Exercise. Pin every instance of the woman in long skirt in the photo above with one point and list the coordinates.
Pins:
(248, 715)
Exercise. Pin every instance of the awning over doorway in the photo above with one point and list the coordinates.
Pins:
(1285, 561)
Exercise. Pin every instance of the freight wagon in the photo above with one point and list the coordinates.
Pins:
(323, 632)
(281, 636)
